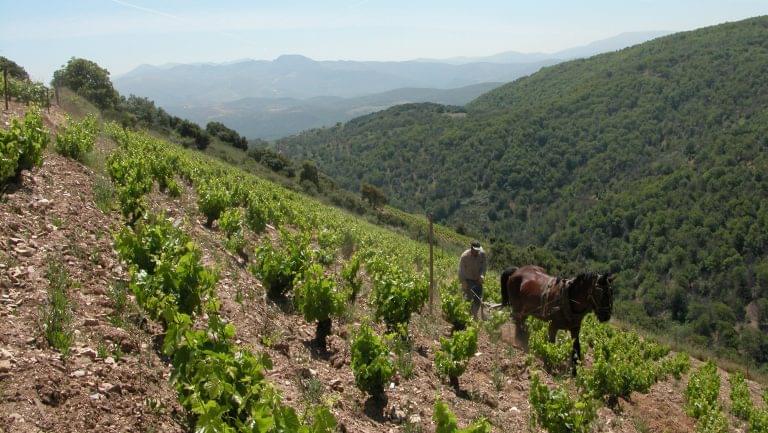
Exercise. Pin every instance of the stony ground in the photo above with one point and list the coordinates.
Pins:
(114, 380)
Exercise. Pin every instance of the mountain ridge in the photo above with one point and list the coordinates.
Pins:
(620, 41)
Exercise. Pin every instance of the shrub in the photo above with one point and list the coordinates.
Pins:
(349, 274)
(455, 352)
(77, 138)
(167, 268)
(255, 214)
(318, 300)
(445, 421)
(712, 422)
(557, 412)
(328, 241)
(741, 403)
(624, 363)
(397, 296)
(370, 362)
(758, 421)
(676, 365)
(212, 199)
(277, 268)
(231, 223)
(456, 310)
(132, 178)
(22, 144)
(163, 169)
(273, 269)
(702, 391)
(36, 138)
(554, 355)
(9, 152)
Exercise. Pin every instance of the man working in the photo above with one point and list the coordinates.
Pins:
(471, 274)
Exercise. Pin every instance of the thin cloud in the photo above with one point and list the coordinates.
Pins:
(183, 21)
(148, 10)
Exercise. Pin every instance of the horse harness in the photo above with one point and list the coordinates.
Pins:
(555, 299)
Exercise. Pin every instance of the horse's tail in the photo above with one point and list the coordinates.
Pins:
(505, 274)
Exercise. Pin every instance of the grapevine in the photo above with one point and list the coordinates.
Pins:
(370, 362)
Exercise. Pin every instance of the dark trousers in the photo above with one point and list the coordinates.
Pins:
(474, 294)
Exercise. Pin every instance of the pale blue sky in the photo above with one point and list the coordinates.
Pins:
(122, 34)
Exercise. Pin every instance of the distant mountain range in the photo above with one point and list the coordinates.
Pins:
(295, 76)
(268, 99)
(617, 42)
(270, 118)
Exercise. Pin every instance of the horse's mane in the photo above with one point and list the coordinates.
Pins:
(582, 281)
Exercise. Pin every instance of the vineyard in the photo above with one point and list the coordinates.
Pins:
(363, 292)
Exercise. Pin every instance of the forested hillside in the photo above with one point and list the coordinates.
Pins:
(650, 162)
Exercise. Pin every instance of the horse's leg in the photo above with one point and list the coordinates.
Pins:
(552, 332)
(576, 352)
(521, 332)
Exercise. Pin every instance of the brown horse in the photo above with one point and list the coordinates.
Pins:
(561, 302)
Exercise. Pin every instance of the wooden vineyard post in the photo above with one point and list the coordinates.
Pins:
(5, 87)
(432, 297)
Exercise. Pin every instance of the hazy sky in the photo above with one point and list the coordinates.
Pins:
(122, 34)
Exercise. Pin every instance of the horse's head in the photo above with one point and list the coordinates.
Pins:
(597, 291)
(602, 297)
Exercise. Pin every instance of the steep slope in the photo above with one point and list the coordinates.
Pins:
(132, 391)
(649, 162)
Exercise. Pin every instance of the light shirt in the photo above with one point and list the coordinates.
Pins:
(472, 267)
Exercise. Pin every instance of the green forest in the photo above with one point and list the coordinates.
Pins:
(650, 162)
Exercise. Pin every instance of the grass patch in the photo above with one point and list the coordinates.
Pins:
(118, 295)
(103, 194)
(497, 377)
(56, 315)
(403, 349)
(311, 390)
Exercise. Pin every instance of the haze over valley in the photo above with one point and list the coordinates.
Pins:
(272, 99)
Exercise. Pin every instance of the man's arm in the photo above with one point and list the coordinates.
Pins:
(462, 277)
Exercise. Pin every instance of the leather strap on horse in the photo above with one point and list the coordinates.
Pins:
(544, 303)
(565, 301)
(561, 302)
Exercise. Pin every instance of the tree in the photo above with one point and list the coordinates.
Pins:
(88, 80)
(227, 135)
(185, 128)
(309, 173)
(374, 196)
(14, 70)
(272, 160)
